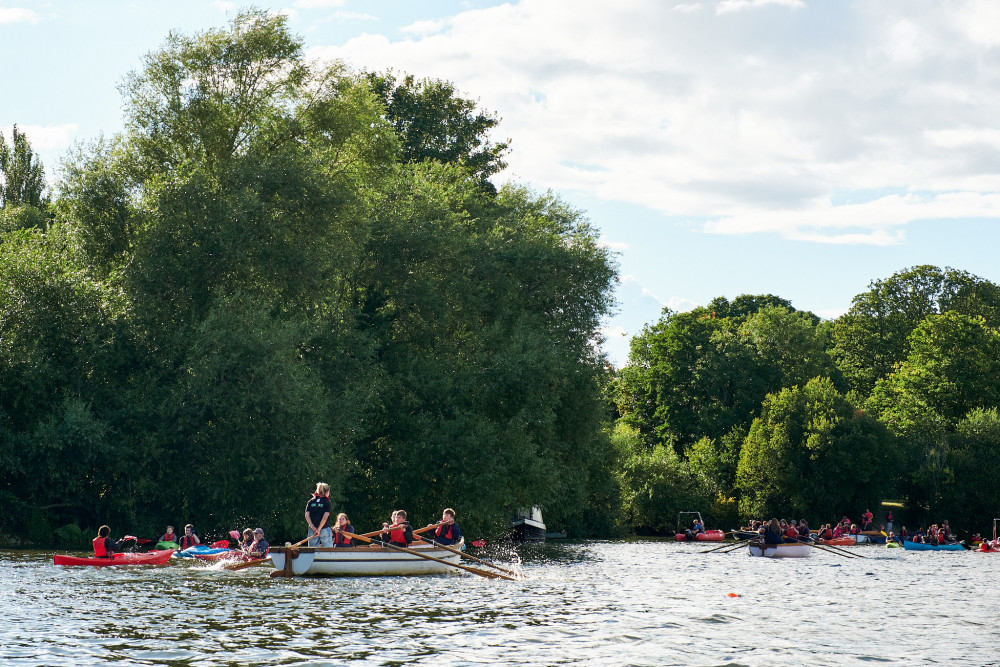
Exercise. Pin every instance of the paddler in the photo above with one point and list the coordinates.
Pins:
(259, 547)
(104, 546)
(399, 533)
(447, 531)
(169, 536)
(189, 539)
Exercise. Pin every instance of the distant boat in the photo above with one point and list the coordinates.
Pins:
(528, 526)
(919, 546)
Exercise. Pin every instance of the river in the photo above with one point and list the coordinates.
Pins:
(643, 602)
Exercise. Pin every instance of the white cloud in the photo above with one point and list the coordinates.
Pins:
(727, 6)
(46, 137)
(17, 15)
(318, 4)
(224, 6)
(757, 121)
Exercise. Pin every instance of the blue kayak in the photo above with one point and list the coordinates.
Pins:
(918, 546)
(200, 550)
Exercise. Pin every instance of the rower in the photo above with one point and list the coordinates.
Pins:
(399, 533)
(447, 532)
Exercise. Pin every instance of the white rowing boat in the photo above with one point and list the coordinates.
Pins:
(365, 561)
(787, 550)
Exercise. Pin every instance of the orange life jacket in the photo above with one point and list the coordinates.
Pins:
(440, 531)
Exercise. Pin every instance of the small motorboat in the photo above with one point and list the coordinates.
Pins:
(365, 561)
(527, 525)
(148, 558)
(784, 550)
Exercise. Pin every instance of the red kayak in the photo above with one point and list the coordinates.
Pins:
(707, 536)
(150, 558)
(846, 541)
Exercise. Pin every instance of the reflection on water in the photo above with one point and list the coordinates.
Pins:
(595, 603)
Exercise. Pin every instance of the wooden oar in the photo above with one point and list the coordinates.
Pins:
(481, 573)
(465, 555)
(839, 552)
(739, 543)
(240, 566)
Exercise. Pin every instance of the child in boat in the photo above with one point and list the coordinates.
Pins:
(259, 547)
(400, 533)
(168, 536)
(448, 532)
(246, 539)
(343, 525)
(189, 539)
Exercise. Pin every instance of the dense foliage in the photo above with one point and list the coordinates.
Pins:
(282, 273)
(786, 415)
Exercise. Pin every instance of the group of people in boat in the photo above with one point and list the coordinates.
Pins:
(397, 532)
(777, 531)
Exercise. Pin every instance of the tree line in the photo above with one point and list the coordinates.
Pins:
(755, 409)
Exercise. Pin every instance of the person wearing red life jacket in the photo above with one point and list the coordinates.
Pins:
(825, 533)
(343, 526)
(866, 519)
(169, 536)
(447, 531)
(189, 539)
(400, 532)
(259, 547)
(104, 546)
(854, 529)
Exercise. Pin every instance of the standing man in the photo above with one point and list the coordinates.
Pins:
(318, 514)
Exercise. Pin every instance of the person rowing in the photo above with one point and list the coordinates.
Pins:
(399, 533)
(447, 532)
(259, 547)
(343, 526)
(772, 533)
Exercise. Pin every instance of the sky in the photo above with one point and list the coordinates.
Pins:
(801, 148)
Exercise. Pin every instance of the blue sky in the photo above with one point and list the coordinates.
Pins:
(795, 147)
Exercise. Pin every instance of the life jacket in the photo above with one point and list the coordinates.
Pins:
(187, 542)
(100, 550)
(340, 538)
(791, 532)
(827, 534)
(398, 534)
(168, 537)
(440, 531)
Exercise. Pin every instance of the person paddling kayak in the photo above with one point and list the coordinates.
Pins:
(104, 546)
(259, 547)
(189, 539)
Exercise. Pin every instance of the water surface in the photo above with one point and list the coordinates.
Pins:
(592, 603)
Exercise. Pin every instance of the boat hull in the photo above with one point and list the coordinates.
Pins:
(789, 550)
(527, 530)
(366, 561)
(918, 546)
(149, 558)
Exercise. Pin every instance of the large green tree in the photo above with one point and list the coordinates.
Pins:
(22, 177)
(813, 454)
(300, 292)
(872, 337)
